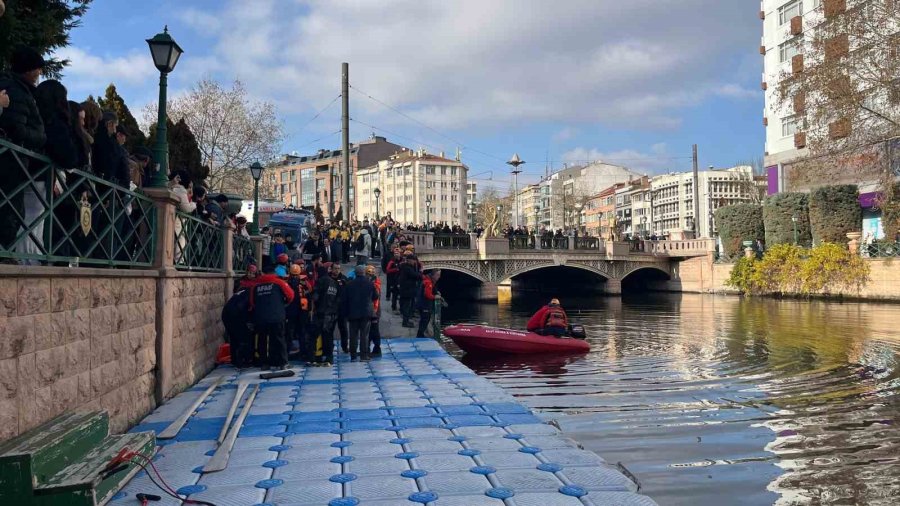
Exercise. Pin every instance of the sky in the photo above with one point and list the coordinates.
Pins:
(633, 83)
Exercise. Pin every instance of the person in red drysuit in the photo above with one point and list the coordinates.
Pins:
(550, 320)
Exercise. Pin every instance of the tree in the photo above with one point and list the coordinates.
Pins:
(111, 101)
(487, 204)
(231, 130)
(41, 24)
(845, 92)
(184, 154)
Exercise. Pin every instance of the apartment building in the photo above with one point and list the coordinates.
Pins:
(563, 191)
(312, 180)
(415, 187)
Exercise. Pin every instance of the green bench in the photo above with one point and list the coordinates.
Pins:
(62, 461)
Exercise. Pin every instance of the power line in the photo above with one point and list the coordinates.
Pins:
(315, 116)
(319, 139)
(407, 116)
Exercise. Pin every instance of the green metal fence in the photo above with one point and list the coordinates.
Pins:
(54, 216)
(199, 245)
(880, 249)
(242, 254)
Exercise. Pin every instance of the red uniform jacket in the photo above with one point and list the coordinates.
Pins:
(540, 319)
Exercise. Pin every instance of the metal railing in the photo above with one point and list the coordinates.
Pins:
(587, 243)
(54, 216)
(241, 253)
(880, 249)
(555, 242)
(199, 245)
(452, 241)
(521, 242)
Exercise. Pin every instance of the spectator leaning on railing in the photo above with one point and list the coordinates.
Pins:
(21, 124)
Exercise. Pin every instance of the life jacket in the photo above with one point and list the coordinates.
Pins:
(377, 302)
(556, 318)
(302, 295)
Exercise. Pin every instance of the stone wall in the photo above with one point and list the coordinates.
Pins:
(89, 339)
(197, 328)
(703, 276)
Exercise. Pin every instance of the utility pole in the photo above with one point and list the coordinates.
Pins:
(695, 221)
(514, 162)
(345, 141)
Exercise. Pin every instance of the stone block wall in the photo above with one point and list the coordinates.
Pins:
(88, 339)
(197, 327)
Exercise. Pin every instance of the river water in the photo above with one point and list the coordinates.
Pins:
(715, 400)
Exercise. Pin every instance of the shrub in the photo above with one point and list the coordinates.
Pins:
(742, 274)
(738, 223)
(778, 211)
(834, 211)
(832, 268)
(779, 270)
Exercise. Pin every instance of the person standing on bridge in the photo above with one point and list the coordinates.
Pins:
(550, 320)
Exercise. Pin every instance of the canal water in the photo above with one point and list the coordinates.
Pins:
(715, 400)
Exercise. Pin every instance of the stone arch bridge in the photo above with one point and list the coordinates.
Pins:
(495, 262)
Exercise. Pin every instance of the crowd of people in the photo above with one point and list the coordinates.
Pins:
(301, 296)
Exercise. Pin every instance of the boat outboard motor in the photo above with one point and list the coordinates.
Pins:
(577, 331)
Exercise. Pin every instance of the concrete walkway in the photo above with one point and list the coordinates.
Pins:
(413, 427)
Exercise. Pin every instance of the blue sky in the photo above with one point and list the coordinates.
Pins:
(633, 83)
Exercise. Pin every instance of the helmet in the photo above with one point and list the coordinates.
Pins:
(282, 258)
(296, 270)
(554, 302)
(370, 270)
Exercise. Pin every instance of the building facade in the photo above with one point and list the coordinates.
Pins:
(313, 180)
(529, 198)
(416, 187)
(672, 199)
(564, 191)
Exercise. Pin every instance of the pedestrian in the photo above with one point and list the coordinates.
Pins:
(341, 280)
(298, 312)
(21, 121)
(408, 282)
(326, 304)
(374, 330)
(427, 297)
(268, 299)
(235, 319)
(216, 209)
(363, 246)
(360, 309)
(266, 246)
(392, 270)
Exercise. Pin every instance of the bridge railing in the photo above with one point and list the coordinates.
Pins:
(678, 248)
(452, 241)
(520, 242)
(587, 243)
(49, 215)
(422, 241)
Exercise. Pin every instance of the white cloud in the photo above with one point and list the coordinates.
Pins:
(91, 73)
(469, 63)
(657, 159)
(565, 134)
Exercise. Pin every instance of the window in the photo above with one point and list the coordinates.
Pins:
(443, 171)
(452, 171)
(429, 169)
(789, 10)
(790, 48)
(789, 126)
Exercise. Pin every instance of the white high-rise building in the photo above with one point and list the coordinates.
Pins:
(415, 187)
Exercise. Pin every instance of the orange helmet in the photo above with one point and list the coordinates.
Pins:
(370, 270)
(296, 270)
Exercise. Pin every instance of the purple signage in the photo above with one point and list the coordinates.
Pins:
(772, 175)
(868, 200)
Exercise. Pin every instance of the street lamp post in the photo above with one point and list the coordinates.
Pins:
(644, 226)
(377, 193)
(427, 211)
(499, 216)
(256, 171)
(578, 206)
(471, 215)
(515, 161)
(165, 52)
(794, 221)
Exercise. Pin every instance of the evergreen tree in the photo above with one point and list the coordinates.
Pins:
(184, 154)
(41, 24)
(113, 102)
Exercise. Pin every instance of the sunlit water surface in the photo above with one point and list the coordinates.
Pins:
(718, 400)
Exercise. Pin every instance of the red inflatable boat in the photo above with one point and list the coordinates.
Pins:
(478, 339)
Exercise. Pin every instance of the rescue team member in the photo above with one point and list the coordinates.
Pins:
(426, 299)
(298, 311)
(327, 301)
(268, 299)
(234, 318)
(374, 331)
(550, 320)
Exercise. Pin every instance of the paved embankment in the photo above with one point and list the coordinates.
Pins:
(413, 427)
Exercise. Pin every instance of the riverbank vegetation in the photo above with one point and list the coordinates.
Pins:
(787, 269)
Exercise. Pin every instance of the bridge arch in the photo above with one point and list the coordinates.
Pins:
(579, 266)
(455, 268)
(647, 268)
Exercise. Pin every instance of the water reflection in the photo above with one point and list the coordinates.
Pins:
(787, 402)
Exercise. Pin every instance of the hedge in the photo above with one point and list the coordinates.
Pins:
(738, 223)
(834, 211)
(778, 210)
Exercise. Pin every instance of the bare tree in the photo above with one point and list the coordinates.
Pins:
(488, 201)
(844, 89)
(232, 132)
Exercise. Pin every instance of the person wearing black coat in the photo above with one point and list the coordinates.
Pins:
(408, 280)
(326, 304)
(105, 151)
(235, 317)
(21, 124)
(360, 308)
(268, 300)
